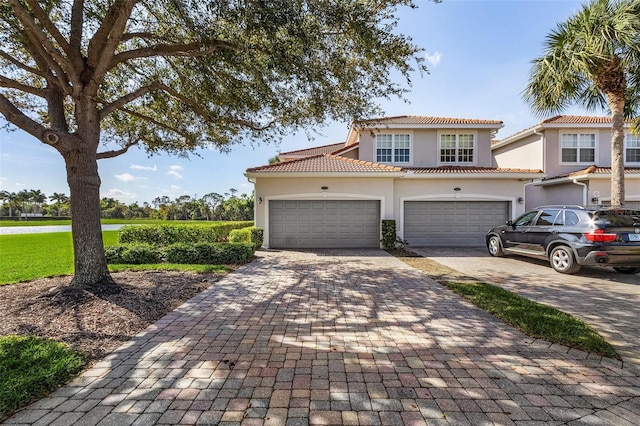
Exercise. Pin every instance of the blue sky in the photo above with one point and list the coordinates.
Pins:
(479, 54)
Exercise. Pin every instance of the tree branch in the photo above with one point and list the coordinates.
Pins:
(43, 18)
(154, 121)
(118, 103)
(36, 33)
(190, 50)
(13, 84)
(103, 44)
(18, 118)
(24, 67)
(115, 153)
(77, 19)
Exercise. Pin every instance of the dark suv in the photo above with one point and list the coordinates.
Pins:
(572, 236)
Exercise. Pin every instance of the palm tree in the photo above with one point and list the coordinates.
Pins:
(37, 197)
(593, 59)
(59, 198)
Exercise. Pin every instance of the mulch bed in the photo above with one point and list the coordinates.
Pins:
(96, 322)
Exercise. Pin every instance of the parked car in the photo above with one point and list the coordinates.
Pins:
(572, 236)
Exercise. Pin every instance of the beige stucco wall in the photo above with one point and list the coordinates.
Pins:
(553, 151)
(523, 154)
(425, 145)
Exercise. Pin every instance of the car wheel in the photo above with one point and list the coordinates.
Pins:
(562, 260)
(626, 269)
(495, 246)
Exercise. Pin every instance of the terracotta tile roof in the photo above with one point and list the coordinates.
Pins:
(345, 148)
(579, 119)
(563, 120)
(325, 163)
(415, 119)
(470, 170)
(595, 170)
(316, 150)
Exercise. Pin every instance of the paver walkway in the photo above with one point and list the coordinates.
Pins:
(339, 338)
(605, 299)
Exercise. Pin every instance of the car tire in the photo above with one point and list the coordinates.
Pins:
(563, 261)
(494, 245)
(626, 269)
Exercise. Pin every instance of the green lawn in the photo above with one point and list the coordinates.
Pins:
(53, 222)
(25, 257)
(31, 367)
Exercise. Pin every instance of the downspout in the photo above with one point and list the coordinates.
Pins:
(584, 191)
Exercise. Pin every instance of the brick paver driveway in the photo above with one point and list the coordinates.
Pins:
(339, 338)
(607, 300)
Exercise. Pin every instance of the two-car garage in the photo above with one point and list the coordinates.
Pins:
(305, 224)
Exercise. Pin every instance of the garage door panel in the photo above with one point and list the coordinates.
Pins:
(451, 223)
(324, 223)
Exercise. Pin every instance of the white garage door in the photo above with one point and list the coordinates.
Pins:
(452, 223)
(324, 224)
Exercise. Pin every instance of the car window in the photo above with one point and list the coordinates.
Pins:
(571, 218)
(549, 217)
(526, 219)
(619, 217)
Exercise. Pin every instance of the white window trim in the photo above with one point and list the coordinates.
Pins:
(628, 163)
(393, 148)
(458, 132)
(583, 132)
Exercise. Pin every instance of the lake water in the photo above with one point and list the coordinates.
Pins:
(10, 230)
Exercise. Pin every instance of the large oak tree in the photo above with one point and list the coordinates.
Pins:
(92, 78)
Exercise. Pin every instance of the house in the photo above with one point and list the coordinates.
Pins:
(575, 154)
(436, 177)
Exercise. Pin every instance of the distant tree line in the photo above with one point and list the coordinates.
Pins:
(212, 206)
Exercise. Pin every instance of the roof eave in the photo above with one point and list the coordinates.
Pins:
(445, 175)
(322, 174)
(443, 126)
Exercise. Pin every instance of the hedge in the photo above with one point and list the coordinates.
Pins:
(250, 234)
(165, 235)
(185, 253)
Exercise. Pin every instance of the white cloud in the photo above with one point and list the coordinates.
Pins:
(434, 59)
(175, 187)
(174, 174)
(125, 177)
(176, 168)
(146, 168)
(120, 194)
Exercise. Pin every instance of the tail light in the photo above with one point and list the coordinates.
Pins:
(599, 236)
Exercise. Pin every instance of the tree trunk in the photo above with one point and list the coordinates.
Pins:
(88, 249)
(84, 185)
(616, 103)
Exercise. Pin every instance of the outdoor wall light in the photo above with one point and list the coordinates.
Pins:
(594, 200)
(324, 188)
(520, 200)
(259, 200)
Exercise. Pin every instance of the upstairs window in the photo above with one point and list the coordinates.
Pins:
(394, 148)
(631, 148)
(457, 148)
(578, 147)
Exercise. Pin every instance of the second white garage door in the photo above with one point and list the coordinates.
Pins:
(324, 224)
(452, 223)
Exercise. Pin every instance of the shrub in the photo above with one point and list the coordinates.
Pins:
(134, 254)
(390, 240)
(207, 253)
(170, 234)
(250, 234)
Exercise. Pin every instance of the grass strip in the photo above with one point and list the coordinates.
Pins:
(31, 367)
(534, 319)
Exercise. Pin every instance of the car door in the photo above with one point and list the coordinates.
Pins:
(515, 235)
(547, 223)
